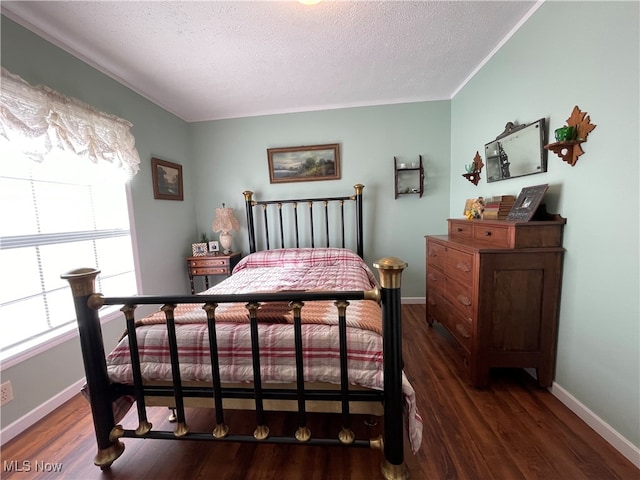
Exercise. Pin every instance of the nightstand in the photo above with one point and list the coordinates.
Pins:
(214, 264)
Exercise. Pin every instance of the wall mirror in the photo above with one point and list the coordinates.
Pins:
(516, 152)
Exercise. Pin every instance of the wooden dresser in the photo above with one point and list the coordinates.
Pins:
(495, 286)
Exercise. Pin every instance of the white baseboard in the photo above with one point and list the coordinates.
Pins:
(617, 441)
(40, 412)
(417, 300)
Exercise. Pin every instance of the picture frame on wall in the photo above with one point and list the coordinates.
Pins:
(304, 164)
(167, 180)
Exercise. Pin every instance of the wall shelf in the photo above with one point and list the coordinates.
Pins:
(476, 167)
(408, 174)
(570, 150)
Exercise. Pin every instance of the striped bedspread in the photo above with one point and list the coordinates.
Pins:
(275, 270)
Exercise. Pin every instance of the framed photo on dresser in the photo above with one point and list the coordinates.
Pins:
(527, 203)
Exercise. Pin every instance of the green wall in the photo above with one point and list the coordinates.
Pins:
(230, 157)
(567, 54)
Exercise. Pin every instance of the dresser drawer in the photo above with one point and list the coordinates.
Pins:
(463, 228)
(210, 271)
(435, 280)
(439, 310)
(437, 307)
(436, 253)
(494, 234)
(460, 327)
(209, 262)
(461, 297)
(459, 266)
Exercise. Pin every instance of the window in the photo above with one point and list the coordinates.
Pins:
(63, 213)
(63, 205)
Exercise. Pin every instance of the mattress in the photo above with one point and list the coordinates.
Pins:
(274, 271)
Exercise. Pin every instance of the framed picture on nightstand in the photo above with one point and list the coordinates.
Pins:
(199, 249)
(214, 246)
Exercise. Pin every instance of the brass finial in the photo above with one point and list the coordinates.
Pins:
(144, 427)
(181, 429)
(82, 281)
(393, 472)
(220, 431)
(303, 434)
(261, 432)
(390, 270)
(346, 436)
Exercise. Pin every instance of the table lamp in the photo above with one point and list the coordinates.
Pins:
(225, 222)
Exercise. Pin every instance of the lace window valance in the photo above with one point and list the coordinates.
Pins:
(51, 120)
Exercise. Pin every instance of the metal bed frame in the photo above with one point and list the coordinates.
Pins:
(102, 392)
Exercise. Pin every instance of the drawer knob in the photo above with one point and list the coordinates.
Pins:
(464, 300)
(462, 330)
(464, 266)
(487, 233)
(459, 229)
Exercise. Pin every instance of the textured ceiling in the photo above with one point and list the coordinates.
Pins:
(213, 59)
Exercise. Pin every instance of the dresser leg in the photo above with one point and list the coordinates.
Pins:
(479, 376)
(545, 377)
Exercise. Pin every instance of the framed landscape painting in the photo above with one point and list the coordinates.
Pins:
(167, 180)
(304, 164)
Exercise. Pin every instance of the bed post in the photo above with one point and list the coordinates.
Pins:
(82, 283)
(359, 230)
(390, 272)
(248, 203)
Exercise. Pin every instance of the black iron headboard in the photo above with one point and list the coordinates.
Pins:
(293, 203)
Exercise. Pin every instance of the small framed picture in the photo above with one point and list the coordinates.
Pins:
(167, 180)
(527, 203)
(199, 249)
(214, 246)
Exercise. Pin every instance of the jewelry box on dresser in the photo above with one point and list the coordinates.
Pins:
(495, 287)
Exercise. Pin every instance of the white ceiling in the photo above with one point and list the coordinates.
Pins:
(206, 60)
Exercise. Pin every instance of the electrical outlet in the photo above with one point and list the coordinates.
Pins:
(6, 393)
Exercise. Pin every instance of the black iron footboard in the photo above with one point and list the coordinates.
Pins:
(102, 392)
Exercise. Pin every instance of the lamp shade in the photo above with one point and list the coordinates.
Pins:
(225, 221)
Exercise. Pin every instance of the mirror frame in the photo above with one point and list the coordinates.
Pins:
(505, 163)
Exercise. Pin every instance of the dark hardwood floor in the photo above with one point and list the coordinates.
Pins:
(511, 430)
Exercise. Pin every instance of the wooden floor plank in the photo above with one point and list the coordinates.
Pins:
(510, 430)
